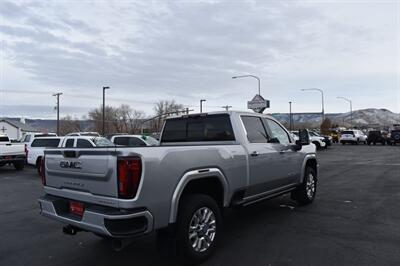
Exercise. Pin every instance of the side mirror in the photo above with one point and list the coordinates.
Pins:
(304, 137)
(297, 146)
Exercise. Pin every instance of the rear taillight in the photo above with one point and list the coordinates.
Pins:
(43, 170)
(129, 172)
(76, 208)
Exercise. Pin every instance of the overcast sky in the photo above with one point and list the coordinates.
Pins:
(188, 50)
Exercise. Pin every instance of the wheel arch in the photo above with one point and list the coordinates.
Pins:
(200, 177)
(309, 160)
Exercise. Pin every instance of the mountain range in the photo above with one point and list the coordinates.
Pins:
(371, 117)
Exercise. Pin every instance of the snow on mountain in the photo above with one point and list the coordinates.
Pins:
(363, 117)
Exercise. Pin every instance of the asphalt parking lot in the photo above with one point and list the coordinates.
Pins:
(354, 221)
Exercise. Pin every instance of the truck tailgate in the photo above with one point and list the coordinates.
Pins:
(86, 170)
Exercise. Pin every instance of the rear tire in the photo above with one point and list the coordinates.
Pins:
(305, 193)
(19, 166)
(38, 161)
(197, 230)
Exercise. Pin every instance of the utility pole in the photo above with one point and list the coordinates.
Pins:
(226, 107)
(201, 105)
(290, 116)
(104, 110)
(58, 111)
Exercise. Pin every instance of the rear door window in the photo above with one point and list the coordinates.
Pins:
(83, 143)
(69, 143)
(255, 129)
(46, 143)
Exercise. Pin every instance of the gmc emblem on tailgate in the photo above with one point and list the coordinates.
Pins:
(70, 164)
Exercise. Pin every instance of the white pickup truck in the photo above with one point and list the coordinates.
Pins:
(11, 153)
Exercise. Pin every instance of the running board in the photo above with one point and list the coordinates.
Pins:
(257, 198)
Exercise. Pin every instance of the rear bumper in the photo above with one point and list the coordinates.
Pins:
(101, 220)
(12, 158)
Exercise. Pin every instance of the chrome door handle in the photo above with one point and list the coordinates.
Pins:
(254, 153)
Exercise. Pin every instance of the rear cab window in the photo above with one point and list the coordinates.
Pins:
(46, 143)
(216, 127)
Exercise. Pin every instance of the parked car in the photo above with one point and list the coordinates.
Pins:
(394, 137)
(376, 136)
(86, 142)
(326, 139)
(354, 136)
(30, 136)
(88, 134)
(35, 149)
(134, 140)
(318, 141)
(204, 163)
(11, 153)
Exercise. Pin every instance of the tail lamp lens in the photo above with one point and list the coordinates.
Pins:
(43, 170)
(129, 172)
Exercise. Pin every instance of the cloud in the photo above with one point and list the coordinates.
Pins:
(154, 49)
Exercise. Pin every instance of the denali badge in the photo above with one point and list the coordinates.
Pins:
(70, 164)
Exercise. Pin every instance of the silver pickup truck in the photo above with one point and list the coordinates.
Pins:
(204, 163)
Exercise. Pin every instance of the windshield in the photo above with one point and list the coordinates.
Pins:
(102, 142)
(314, 134)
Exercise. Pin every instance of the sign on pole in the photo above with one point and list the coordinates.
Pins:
(258, 104)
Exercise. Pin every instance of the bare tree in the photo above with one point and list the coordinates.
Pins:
(122, 119)
(68, 125)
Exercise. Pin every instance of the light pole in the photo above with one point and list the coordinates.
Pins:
(104, 109)
(201, 105)
(351, 108)
(58, 111)
(322, 98)
(226, 107)
(251, 76)
(290, 116)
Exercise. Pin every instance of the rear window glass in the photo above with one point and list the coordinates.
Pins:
(348, 132)
(42, 142)
(4, 139)
(129, 141)
(198, 128)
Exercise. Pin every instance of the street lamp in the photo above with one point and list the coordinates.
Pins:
(351, 108)
(58, 111)
(322, 98)
(104, 108)
(251, 76)
(201, 105)
(290, 116)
